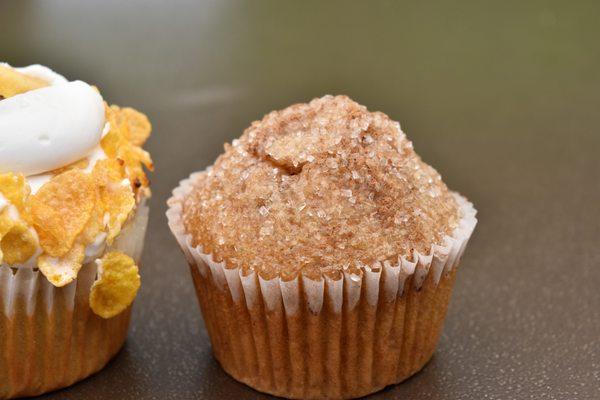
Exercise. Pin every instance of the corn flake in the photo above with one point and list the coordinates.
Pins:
(116, 195)
(60, 210)
(61, 271)
(18, 245)
(15, 189)
(13, 82)
(96, 224)
(134, 158)
(134, 125)
(6, 224)
(117, 285)
(120, 143)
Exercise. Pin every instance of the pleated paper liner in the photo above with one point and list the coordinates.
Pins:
(341, 337)
(49, 337)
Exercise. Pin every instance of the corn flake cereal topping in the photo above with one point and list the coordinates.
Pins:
(13, 82)
(116, 196)
(15, 189)
(18, 242)
(61, 271)
(80, 205)
(117, 285)
(134, 125)
(127, 129)
(61, 209)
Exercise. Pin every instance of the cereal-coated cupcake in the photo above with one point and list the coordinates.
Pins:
(323, 251)
(73, 216)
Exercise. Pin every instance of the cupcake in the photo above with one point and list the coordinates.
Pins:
(73, 216)
(323, 251)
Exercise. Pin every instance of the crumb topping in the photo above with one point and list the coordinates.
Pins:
(316, 188)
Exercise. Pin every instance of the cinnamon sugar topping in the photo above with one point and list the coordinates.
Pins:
(316, 188)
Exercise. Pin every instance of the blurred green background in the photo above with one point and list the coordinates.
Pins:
(501, 97)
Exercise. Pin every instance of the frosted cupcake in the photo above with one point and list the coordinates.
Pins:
(72, 224)
(323, 251)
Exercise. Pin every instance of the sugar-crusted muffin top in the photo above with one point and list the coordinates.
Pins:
(317, 188)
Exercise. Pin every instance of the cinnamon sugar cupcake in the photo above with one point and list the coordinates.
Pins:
(323, 251)
(73, 216)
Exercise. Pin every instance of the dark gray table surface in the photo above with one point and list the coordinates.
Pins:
(503, 99)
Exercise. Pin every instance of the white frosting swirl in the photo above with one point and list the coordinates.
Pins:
(48, 128)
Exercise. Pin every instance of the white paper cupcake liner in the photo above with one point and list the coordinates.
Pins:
(49, 336)
(384, 309)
